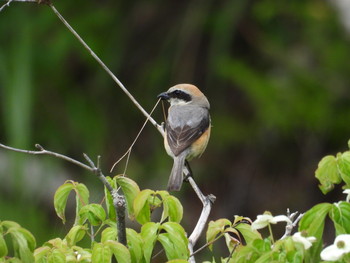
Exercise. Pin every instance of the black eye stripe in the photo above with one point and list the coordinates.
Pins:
(179, 94)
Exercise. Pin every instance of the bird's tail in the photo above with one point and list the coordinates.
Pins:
(175, 179)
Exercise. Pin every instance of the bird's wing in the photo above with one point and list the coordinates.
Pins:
(184, 126)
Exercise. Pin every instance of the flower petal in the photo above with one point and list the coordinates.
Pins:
(280, 218)
(332, 253)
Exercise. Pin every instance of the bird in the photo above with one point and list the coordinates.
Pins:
(187, 128)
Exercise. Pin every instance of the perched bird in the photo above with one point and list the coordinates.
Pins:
(187, 128)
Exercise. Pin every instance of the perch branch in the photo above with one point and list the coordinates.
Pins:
(207, 202)
(118, 200)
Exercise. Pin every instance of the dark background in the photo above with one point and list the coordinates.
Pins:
(275, 72)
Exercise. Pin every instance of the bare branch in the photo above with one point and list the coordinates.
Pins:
(6, 4)
(293, 222)
(105, 68)
(207, 202)
(118, 200)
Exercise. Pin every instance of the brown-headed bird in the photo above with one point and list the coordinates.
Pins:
(187, 128)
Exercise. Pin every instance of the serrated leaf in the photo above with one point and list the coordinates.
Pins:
(112, 215)
(121, 253)
(340, 215)
(344, 167)
(109, 233)
(215, 228)
(134, 244)
(3, 247)
(130, 190)
(149, 234)
(94, 213)
(75, 234)
(101, 253)
(60, 200)
(313, 223)
(327, 173)
(141, 206)
(248, 233)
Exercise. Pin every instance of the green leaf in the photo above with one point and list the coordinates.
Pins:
(94, 213)
(215, 228)
(313, 223)
(75, 235)
(29, 237)
(134, 244)
(168, 246)
(60, 199)
(9, 224)
(120, 252)
(177, 261)
(3, 247)
(41, 253)
(141, 206)
(177, 235)
(149, 234)
(327, 173)
(247, 232)
(81, 199)
(101, 253)
(130, 190)
(56, 256)
(344, 167)
(109, 233)
(109, 200)
(340, 215)
(172, 207)
(20, 245)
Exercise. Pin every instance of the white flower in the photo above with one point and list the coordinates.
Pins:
(306, 241)
(347, 192)
(263, 220)
(340, 247)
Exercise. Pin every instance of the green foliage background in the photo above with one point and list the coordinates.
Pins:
(276, 74)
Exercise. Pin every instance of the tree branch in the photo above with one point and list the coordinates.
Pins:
(118, 199)
(293, 222)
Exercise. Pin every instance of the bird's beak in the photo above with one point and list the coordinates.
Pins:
(163, 96)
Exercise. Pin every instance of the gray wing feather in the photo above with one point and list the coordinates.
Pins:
(185, 124)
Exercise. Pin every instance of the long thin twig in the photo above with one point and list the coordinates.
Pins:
(6, 4)
(127, 153)
(105, 68)
(45, 152)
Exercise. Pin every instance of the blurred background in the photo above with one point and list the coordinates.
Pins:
(275, 72)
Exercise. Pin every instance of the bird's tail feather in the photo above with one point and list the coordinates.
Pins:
(175, 179)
